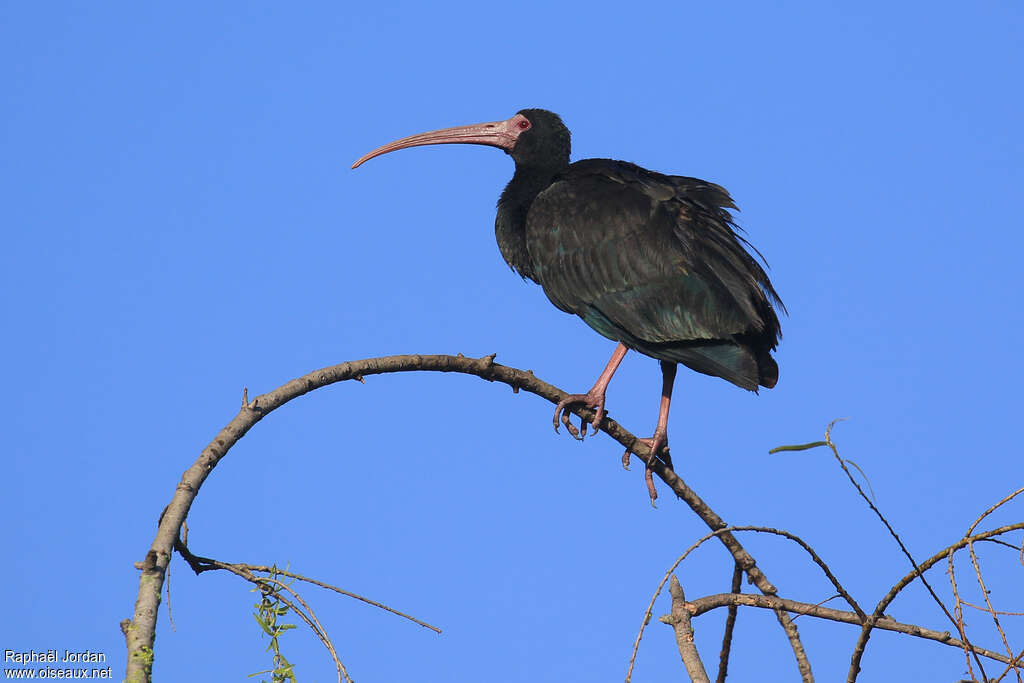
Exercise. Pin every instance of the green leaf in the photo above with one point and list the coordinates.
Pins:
(798, 447)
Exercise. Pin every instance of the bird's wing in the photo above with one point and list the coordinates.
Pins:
(655, 256)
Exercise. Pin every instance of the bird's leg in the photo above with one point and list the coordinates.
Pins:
(592, 399)
(659, 442)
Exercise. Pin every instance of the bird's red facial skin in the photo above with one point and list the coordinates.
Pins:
(501, 134)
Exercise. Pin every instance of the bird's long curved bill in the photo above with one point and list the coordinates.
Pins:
(501, 134)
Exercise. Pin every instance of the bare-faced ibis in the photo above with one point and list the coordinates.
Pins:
(651, 261)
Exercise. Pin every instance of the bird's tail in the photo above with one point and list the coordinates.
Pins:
(767, 370)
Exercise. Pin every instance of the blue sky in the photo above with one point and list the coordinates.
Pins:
(180, 222)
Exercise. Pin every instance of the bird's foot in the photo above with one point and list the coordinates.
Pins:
(590, 399)
(659, 451)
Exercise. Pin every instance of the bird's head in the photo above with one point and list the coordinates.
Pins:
(534, 137)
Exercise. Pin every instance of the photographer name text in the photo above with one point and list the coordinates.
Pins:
(30, 656)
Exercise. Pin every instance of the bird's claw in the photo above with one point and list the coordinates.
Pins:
(588, 400)
(659, 450)
(577, 434)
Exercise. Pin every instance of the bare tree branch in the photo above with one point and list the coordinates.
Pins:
(993, 612)
(738, 552)
(938, 557)
(941, 555)
(960, 626)
(730, 624)
(679, 620)
(869, 623)
(204, 564)
(710, 602)
(699, 542)
(140, 630)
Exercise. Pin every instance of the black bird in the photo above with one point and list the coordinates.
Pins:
(651, 261)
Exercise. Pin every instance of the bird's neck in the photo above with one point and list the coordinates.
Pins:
(513, 207)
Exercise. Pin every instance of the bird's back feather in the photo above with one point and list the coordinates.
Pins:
(655, 261)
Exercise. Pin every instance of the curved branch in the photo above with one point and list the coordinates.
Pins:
(869, 623)
(918, 571)
(140, 630)
(815, 558)
(941, 555)
(736, 587)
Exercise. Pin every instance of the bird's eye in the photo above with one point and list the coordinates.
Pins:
(523, 124)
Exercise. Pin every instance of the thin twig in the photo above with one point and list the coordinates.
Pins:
(657, 591)
(865, 633)
(309, 616)
(1006, 499)
(820, 603)
(941, 555)
(202, 564)
(990, 611)
(268, 584)
(342, 591)
(1017, 661)
(728, 530)
(958, 611)
(1014, 665)
(884, 603)
(996, 541)
(988, 601)
(730, 624)
(706, 604)
(817, 560)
